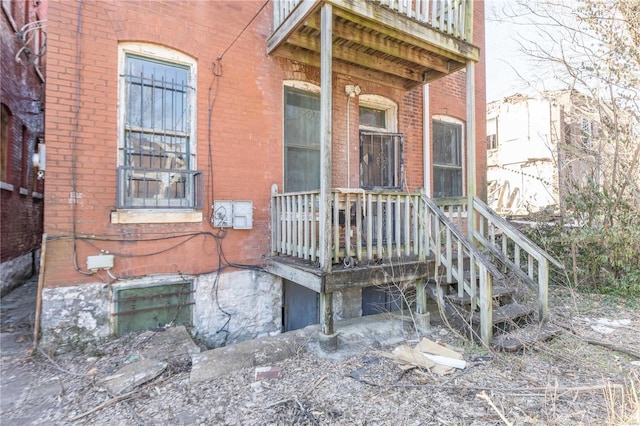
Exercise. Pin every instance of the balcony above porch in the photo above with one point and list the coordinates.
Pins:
(402, 43)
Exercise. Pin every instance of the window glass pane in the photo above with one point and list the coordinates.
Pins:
(301, 140)
(447, 143)
(373, 117)
(303, 174)
(157, 135)
(157, 95)
(447, 182)
(447, 159)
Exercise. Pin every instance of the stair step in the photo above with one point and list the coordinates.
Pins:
(497, 291)
(506, 313)
(523, 337)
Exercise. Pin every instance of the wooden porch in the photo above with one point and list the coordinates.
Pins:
(402, 43)
(387, 237)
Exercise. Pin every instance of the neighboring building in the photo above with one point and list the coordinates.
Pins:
(539, 148)
(168, 125)
(22, 44)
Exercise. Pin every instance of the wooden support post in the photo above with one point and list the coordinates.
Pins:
(36, 324)
(421, 297)
(326, 313)
(543, 290)
(471, 147)
(275, 218)
(325, 135)
(486, 306)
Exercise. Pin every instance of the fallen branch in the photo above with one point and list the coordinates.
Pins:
(515, 391)
(119, 398)
(105, 404)
(622, 349)
(483, 395)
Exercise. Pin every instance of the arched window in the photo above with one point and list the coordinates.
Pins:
(157, 125)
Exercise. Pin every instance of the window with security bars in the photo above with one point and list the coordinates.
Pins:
(447, 159)
(156, 169)
(380, 160)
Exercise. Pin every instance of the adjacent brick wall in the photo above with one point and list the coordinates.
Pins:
(22, 96)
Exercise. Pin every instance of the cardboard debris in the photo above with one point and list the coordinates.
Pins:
(429, 355)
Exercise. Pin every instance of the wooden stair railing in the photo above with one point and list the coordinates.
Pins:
(517, 253)
(454, 252)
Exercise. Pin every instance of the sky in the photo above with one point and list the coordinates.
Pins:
(506, 64)
(502, 55)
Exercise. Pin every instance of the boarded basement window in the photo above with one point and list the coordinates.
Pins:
(143, 308)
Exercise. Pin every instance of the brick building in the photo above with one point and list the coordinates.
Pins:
(23, 39)
(174, 132)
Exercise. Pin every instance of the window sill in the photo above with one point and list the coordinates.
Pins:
(150, 216)
(6, 186)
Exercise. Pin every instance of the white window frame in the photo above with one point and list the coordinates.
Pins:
(163, 54)
(384, 104)
(463, 143)
(390, 109)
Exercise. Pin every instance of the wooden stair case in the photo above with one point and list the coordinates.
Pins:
(490, 291)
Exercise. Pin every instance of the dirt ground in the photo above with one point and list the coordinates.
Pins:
(570, 380)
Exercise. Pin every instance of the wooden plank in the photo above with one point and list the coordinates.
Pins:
(471, 147)
(275, 218)
(543, 290)
(388, 46)
(313, 59)
(486, 306)
(369, 221)
(291, 24)
(295, 274)
(351, 55)
(314, 227)
(359, 203)
(376, 275)
(36, 324)
(326, 313)
(398, 27)
(325, 135)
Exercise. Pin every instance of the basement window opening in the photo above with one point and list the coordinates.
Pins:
(153, 306)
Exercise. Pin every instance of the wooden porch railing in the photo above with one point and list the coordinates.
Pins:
(516, 252)
(453, 17)
(365, 226)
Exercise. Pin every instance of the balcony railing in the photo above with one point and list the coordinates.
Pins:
(153, 188)
(452, 17)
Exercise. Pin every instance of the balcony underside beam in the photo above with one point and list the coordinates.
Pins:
(373, 42)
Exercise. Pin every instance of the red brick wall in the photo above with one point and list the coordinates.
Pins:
(22, 95)
(245, 134)
(447, 96)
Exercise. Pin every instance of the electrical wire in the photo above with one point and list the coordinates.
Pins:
(74, 143)
(243, 30)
